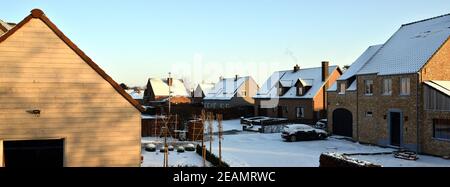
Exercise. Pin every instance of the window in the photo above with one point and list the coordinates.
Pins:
(301, 91)
(405, 86)
(369, 114)
(300, 112)
(368, 87)
(342, 88)
(441, 129)
(244, 93)
(387, 87)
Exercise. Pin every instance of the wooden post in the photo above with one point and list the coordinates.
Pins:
(210, 129)
(219, 121)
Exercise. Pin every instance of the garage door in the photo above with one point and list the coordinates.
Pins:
(34, 153)
(342, 122)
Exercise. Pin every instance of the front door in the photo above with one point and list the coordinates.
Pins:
(395, 128)
(280, 111)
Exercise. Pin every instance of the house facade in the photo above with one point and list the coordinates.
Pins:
(201, 91)
(298, 94)
(231, 93)
(158, 91)
(72, 112)
(389, 107)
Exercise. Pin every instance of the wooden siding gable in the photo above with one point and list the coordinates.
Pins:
(39, 14)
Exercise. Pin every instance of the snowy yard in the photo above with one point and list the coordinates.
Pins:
(156, 159)
(251, 149)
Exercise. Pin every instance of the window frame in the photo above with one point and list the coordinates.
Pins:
(302, 112)
(388, 92)
(342, 88)
(435, 136)
(403, 81)
(368, 87)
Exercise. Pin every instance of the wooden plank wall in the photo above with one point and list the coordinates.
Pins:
(39, 71)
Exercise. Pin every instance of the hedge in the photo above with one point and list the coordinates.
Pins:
(210, 157)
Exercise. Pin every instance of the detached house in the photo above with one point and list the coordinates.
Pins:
(297, 94)
(231, 93)
(71, 113)
(201, 91)
(158, 90)
(397, 94)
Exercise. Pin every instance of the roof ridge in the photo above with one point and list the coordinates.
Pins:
(39, 14)
(308, 68)
(426, 19)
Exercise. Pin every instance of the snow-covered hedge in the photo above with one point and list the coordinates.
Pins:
(341, 160)
(189, 147)
(213, 159)
(150, 147)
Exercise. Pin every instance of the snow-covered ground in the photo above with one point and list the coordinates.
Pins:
(156, 159)
(269, 150)
(229, 125)
(251, 149)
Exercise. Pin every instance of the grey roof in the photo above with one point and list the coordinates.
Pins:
(360, 62)
(308, 76)
(410, 48)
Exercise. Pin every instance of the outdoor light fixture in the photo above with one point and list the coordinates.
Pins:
(35, 112)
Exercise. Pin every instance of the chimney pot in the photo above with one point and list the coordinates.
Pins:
(296, 68)
(236, 78)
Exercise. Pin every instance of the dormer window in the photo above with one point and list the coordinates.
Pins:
(300, 91)
(342, 88)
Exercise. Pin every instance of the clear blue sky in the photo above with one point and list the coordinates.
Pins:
(136, 39)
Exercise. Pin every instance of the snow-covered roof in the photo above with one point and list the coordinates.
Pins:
(352, 86)
(360, 62)
(136, 94)
(410, 48)
(206, 87)
(308, 77)
(161, 88)
(442, 86)
(227, 88)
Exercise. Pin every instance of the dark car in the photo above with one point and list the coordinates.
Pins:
(303, 132)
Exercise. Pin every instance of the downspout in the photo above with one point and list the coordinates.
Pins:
(357, 109)
(417, 111)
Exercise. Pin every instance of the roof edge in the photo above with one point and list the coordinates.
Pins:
(426, 19)
(39, 14)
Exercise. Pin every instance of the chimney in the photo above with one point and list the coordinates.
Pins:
(325, 72)
(296, 68)
(169, 81)
(236, 77)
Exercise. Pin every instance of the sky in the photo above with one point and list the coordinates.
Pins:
(202, 40)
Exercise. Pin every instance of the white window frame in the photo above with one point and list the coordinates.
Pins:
(244, 93)
(369, 114)
(387, 86)
(405, 86)
(368, 87)
(342, 88)
(298, 111)
(301, 90)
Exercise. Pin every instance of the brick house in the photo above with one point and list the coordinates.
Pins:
(298, 94)
(158, 91)
(201, 91)
(391, 88)
(231, 93)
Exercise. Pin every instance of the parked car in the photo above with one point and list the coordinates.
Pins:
(322, 124)
(297, 132)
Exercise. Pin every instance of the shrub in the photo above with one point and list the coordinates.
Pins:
(210, 157)
(189, 147)
(150, 147)
(180, 149)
